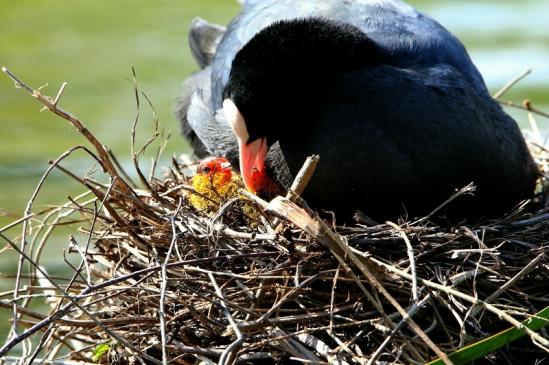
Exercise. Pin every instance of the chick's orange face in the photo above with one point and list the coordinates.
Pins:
(217, 168)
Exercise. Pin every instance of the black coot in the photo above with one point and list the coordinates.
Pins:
(385, 95)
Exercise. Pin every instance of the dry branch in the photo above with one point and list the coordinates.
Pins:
(159, 282)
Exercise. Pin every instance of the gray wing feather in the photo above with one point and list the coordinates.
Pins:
(210, 127)
(204, 38)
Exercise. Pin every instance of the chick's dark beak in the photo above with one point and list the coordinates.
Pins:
(251, 154)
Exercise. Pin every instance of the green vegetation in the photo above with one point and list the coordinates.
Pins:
(92, 46)
(483, 347)
(100, 351)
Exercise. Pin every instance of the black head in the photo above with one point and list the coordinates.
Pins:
(279, 76)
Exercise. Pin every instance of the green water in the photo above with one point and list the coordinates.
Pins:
(93, 45)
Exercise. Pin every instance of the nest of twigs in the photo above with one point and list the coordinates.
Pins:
(159, 281)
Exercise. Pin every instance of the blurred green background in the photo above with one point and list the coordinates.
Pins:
(93, 45)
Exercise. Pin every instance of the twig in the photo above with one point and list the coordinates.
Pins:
(73, 302)
(250, 326)
(53, 107)
(469, 189)
(96, 211)
(17, 222)
(120, 168)
(119, 321)
(9, 360)
(90, 289)
(301, 181)
(135, 155)
(164, 284)
(227, 357)
(526, 222)
(185, 349)
(24, 242)
(321, 348)
(303, 177)
(410, 252)
(533, 335)
(59, 93)
(293, 346)
(332, 298)
(411, 312)
(321, 232)
(525, 271)
(526, 105)
(511, 83)
(76, 246)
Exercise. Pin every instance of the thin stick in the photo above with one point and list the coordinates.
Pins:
(526, 105)
(303, 177)
(76, 246)
(301, 181)
(321, 348)
(96, 210)
(60, 92)
(332, 298)
(315, 227)
(228, 355)
(53, 107)
(511, 83)
(411, 312)
(536, 338)
(120, 168)
(16, 222)
(135, 155)
(469, 189)
(164, 284)
(411, 258)
(90, 289)
(527, 269)
(24, 242)
(9, 360)
(118, 321)
(52, 318)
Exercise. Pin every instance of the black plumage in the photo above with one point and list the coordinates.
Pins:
(385, 95)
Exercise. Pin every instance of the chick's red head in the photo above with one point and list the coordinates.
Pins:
(216, 167)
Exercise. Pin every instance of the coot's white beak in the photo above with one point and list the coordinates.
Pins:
(251, 154)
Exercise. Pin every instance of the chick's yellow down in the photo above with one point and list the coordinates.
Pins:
(215, 183)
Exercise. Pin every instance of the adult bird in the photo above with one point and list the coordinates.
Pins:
(387, 97)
